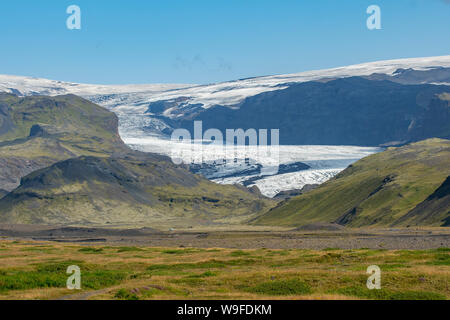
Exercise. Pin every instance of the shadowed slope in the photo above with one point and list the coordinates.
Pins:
(38, 131)
(349, 111)
(132, 189)
(86, 175)
(378, 190)
(437, 204)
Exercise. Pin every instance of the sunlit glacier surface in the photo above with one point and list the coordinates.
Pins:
(291, 168)
(269, 168)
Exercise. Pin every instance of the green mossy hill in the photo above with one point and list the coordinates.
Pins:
(38, 131)
(130, 189)
(63, 117)
(437, 203)
(398, 187)
(64, 161)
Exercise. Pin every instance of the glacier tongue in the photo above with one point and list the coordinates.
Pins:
(272, 185)
(321, 162)
(138, 127)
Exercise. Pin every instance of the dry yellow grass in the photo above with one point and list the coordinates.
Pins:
(36, 270)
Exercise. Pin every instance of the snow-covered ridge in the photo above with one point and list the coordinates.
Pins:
(26, 86)
(135, 98)
(131, 104)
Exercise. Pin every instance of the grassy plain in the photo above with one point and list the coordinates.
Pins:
(37, 270)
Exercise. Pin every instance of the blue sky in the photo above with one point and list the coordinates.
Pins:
(199, 41)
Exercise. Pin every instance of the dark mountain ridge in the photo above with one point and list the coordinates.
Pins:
(131, 189)
(38, 131)
(347, 111)
(434, 205)
(63, 162)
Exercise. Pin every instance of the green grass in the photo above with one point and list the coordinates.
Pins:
(53, 275)
(239, 253)
(384, 294)
(129, 249)
(392, 266)
(123, 294)
(211, 264)
(281, 288)
(38, 249)
(441, 259)
(102, 278)
(204, 274)
(91, 250)
(21, 280)
(60, 266)
(379, 190)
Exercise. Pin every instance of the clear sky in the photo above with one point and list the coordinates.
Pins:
(204, 41)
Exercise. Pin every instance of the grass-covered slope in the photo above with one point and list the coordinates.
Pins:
(132, 189)
(63, 161)
(437, 204)
(71, 119)
(379, 190)
(38, 131)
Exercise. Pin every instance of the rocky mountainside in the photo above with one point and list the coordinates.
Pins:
(159, 109)
(38, 131)
(73, 168)
(129, 190)
(404, 186)
(349, 111)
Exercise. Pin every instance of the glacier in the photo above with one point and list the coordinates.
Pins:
(140, 129)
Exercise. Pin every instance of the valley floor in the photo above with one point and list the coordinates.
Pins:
(149, 264)
(315, 237)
